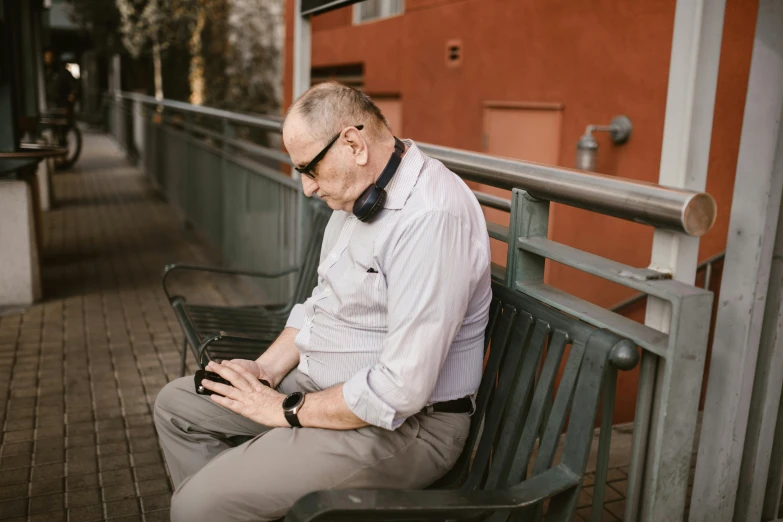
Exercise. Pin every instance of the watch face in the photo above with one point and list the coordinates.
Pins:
(293, 400)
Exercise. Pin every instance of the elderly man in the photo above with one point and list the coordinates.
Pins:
(373, 378)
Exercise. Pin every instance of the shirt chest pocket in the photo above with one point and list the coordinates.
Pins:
(361, 298)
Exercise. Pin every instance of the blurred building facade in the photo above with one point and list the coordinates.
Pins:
(523, 79)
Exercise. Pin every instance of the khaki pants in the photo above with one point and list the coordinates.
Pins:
(262, 478)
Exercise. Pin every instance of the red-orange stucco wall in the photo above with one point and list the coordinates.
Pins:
(598, 58)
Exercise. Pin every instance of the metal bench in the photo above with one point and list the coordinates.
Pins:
(520, 407)
(230, 332)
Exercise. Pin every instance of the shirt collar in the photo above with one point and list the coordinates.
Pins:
(401, 185)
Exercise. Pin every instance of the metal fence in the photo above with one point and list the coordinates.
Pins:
(233, 190)
(230, 191)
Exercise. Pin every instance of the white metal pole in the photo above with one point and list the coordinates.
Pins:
(690, 102)
(300, 84)
(301, 51)
(742, 396)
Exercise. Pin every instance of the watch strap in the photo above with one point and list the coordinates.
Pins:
(293, 419)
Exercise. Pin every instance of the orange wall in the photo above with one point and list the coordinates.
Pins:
(598, 58)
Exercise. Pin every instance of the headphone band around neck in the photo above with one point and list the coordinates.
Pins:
(392, 165)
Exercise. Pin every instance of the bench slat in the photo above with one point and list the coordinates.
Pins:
(516, 413)
(501, 394)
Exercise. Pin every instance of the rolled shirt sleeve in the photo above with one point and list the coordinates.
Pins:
(296, 317)
(430, 279)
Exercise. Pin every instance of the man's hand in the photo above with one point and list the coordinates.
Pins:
(259, 370)
(246, 396)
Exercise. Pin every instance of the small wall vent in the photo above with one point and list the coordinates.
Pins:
(453, 53)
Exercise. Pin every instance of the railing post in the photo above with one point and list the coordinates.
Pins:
(229, 132)
(529, 218)
(190, 189)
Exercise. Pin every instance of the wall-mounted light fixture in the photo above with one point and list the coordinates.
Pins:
(587, 148)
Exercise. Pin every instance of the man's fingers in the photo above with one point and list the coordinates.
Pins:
(231, 375)
(250, 380)
(223, 389)
(231, 404)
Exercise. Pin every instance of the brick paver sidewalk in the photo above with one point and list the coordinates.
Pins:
(79, 372)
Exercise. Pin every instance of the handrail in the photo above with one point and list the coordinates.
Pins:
(681, 210)
(704, 265)
(662, 207)
(270, 123)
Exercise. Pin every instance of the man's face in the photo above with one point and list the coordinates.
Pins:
(48, 57)
(336, 178)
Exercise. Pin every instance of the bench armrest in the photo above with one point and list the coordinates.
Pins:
(219, 270)
(393, 504)
(227, 336)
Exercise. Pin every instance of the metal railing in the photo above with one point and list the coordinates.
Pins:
(233, 189)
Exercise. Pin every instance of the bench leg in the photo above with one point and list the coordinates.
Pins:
(183, 365)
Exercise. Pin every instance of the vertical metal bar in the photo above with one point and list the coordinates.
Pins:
(641, 431)
(29, 81)
(9, 117)
(707, 275)
(301, 84)
(693, 74)
(746, 372)
(604, 444)
(301, 51)
(38, 56)
(191, 182)
(183, 362)
(228, 225)
(529, 218)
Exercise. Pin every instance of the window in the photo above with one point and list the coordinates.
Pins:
(377, 9)
(350, 74)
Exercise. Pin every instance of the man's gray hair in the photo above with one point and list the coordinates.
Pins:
(329, 107)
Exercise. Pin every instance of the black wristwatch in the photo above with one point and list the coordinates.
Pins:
(291, 406)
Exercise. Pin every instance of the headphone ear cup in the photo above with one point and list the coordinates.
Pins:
(375, 208)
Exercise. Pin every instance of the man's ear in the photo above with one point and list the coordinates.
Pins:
(358, 145)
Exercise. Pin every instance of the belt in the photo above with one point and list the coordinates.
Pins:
(463, 405)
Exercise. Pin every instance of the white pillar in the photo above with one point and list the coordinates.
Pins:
(20, 278)
(744, 292)
(690, 102)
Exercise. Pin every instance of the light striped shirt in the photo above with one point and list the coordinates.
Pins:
(402, 302)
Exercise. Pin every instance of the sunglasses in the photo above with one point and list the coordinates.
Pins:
(307, 170)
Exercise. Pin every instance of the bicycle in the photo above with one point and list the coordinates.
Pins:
(65, 134)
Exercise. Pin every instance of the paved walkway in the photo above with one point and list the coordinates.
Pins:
(79, 372)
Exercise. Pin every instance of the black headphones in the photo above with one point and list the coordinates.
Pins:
(372, 199)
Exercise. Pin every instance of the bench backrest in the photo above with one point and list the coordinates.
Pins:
(529, 344)
(308, 272)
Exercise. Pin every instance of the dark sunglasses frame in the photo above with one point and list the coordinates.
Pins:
(307, 169)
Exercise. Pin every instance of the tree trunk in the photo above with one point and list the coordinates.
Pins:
(156, 62)
(196, 76)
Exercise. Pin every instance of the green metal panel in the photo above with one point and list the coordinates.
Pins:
(9, 114)
(28, 60)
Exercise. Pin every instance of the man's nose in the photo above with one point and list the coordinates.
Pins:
(309, 185)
